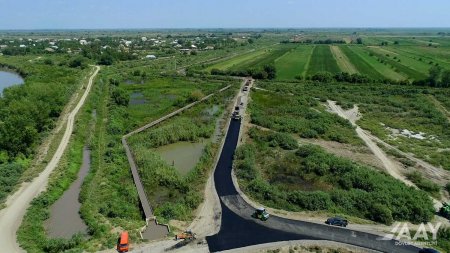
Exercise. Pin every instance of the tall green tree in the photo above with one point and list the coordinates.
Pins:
(434, 74)
(445, 78)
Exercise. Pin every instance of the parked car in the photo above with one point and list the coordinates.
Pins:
(337, 221)
(428, 250)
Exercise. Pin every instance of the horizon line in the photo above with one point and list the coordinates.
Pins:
(222, 28)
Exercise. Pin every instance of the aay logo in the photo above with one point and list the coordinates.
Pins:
(401, 232)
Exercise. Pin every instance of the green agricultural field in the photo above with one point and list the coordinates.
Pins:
(294, 63)
(361, 64)
(322, 60)
(426, 55)
(412, 68)
(266, 59)
(343, 61)
(237, 60)
(385, 70)
(401, 57)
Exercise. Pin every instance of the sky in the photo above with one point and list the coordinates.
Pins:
(98, 14)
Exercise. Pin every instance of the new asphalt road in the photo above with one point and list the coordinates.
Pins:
(239, 229)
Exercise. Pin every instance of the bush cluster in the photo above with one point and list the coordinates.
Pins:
(340, 185)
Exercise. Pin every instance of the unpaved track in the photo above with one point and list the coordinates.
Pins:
(352, 116)
(17, 204)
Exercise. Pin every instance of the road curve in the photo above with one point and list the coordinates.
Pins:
(17, 204)
(238, 229)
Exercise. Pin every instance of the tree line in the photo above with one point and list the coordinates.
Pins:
(437, 77)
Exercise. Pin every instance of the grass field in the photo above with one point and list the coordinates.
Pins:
(361, 64)
(294, 63)
(343, 61)
(322, 60)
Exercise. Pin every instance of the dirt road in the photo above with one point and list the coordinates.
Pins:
(17, 204)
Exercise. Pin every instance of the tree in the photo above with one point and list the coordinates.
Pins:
(106, 59)
(359, 41)
(120, 97)
(322, 76)
(445, 79)
(433, 75)
(77, 62)
(271, 71)
(250, 41)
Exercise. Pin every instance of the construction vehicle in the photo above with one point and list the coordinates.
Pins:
(236, 115)
(445, 210)
(261, 213)
(186, 235)
(122, 244)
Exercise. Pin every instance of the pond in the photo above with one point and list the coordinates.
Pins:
(182, 155)
(137, 98)
(65, 220)
(8, 79)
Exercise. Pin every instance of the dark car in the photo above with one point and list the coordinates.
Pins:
(428, 250)
(337, 221)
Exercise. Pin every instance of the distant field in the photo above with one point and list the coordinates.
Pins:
(343, 61)
(240, 59)
(426, 55)
(270, 57)
(405, 59)
(322, 60)
(384, 69)
(401, 64)
(294, 63)
(361, 64)
(254, 59)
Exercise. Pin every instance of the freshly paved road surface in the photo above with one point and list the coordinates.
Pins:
(238, 229)
(17, 204)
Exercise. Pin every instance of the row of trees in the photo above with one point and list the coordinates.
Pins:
(310, 41)
(437, 77)
(266, 72)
